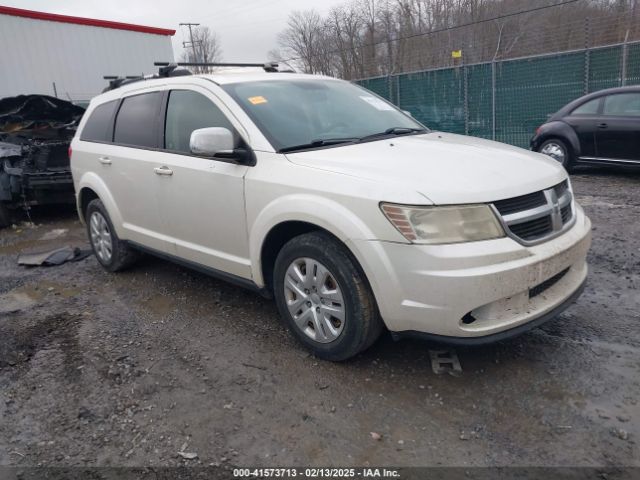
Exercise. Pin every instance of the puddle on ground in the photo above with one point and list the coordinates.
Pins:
(15, 302)
(27, 296)
(160, 305)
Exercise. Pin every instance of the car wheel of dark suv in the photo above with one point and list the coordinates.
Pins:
(558, 150)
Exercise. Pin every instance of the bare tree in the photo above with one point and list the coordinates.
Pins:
(305, 39)
(364, 38)
(207, 49)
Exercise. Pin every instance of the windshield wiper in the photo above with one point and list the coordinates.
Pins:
(392, 131)
(322, 142)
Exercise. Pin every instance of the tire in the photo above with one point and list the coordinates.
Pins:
(112, 253)
(559, 151)
(357, 324)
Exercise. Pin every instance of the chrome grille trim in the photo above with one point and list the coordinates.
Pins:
(558, 208)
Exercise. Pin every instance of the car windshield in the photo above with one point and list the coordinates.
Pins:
(311, 113)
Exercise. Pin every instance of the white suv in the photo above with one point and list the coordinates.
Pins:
(350, 213)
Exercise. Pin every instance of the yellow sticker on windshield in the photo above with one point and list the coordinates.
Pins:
(257, 100)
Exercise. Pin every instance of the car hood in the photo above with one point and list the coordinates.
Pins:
(445, 168)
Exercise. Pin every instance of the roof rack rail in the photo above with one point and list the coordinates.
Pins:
(116, 81)
(171, 69)
(268, 66)
(167, 70)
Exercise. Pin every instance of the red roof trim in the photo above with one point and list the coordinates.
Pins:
(92, 22)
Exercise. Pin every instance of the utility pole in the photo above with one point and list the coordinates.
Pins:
(193, 46)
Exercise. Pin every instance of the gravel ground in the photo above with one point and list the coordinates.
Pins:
(132, 369)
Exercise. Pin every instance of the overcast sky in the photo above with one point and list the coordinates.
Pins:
(247, 29)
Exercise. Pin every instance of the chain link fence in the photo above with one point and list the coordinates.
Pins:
(506, 99)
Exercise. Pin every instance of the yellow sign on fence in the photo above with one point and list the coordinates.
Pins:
(456, 54)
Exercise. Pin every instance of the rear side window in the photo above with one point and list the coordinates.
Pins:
(137, 120)
(99, 125)
(624, 104)
(589, 108)
(188, 111)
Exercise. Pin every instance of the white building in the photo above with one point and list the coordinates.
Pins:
(67, 57)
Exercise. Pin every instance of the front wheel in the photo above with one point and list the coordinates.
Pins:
(324, 298)
(558, 150)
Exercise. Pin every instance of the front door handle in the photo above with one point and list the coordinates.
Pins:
(104, 160)
(163, 171)
(602, 125)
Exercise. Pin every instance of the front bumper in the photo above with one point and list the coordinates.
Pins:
(475, 290)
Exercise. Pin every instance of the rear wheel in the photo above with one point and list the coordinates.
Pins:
(559, 151)
(112, 253)
(324, 298)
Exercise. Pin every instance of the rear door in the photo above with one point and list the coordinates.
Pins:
(618, 133)
(202, 199)
(584, 120)
(132, 163)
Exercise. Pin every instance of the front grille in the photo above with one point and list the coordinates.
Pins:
(532, 229)
(538, 289)
(517, 204)
(537, 216)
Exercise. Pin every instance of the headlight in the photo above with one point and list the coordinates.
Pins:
(437, 225)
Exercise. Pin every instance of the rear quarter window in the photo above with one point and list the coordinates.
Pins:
(589, 108)
(137, 120)
(99, 126)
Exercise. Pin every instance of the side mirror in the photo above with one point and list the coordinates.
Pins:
(407, 113)
(212, 141)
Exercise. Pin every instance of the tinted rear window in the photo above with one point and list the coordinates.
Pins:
(137, 120)
(98, 126)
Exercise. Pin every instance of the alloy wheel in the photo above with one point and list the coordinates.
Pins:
(314, 300)
(101, 237)
(555, 151)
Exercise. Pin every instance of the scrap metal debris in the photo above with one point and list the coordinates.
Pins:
(445, 361)
(57, 256)
(35, 133)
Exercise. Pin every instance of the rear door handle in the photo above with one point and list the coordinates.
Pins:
(163, 171)
(602, 125)
(104, 160)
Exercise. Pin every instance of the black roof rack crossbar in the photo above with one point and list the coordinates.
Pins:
(115, 77)
(268, 67)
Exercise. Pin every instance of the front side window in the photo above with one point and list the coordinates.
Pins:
(99, 124)
(188, 111)
(623, 104)
(136, 122)
(588, 108)
(297, 112)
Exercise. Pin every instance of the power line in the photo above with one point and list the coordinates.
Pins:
(440, 30)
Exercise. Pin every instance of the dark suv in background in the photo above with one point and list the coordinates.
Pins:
(599, 128)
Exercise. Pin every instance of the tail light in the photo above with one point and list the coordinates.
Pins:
(70, 152)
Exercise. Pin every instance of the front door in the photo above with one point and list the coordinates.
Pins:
(618, 134)
(202, 199)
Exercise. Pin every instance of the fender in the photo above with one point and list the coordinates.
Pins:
(561, 130)
(317, 210)
(92, 181)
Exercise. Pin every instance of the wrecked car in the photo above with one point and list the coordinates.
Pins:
(35, 133)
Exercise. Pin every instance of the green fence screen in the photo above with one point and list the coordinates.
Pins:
(506, 100)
